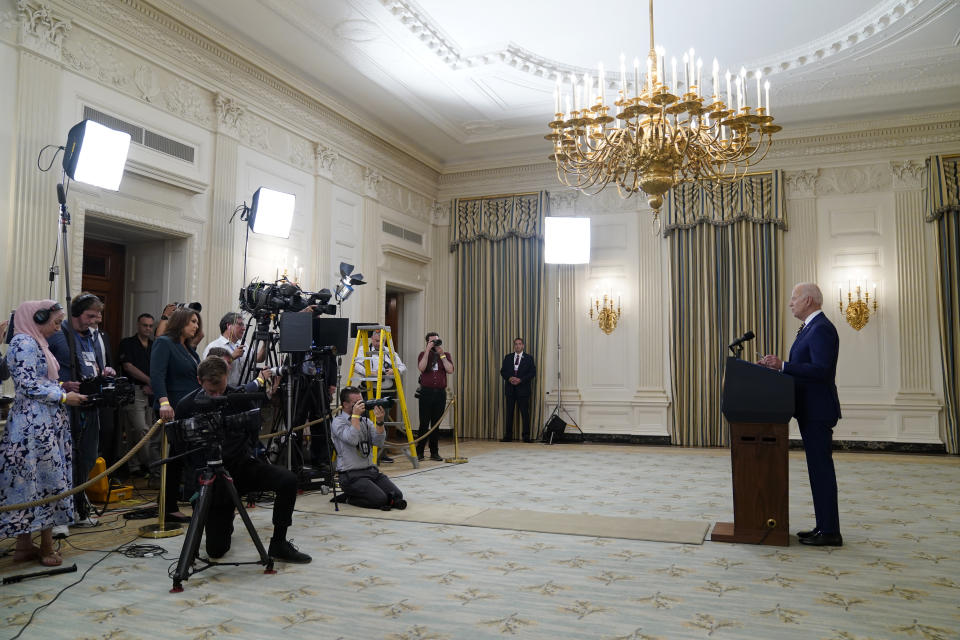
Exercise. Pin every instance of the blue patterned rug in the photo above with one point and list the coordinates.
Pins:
(898, 575)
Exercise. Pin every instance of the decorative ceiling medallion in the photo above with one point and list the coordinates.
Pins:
(357, 30)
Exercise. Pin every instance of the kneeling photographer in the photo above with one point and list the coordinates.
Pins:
(354, 437)
(248, 473)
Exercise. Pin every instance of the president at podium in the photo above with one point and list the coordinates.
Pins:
(813, 366)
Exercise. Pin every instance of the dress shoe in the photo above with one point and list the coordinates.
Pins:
(420, 457)
(807, 534)
(177, 517)
(528, 440)
(436, 456)
(286, 552)
(385, 458)
(821, 539)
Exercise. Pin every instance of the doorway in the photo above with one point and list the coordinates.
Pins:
(103, 275)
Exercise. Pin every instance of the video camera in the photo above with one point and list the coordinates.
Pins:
(209, 427)
(193, 306)
(265, 298)
(107, 391)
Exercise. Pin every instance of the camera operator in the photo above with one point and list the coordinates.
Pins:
(354, 437)
(81, 356)
(249, 473)
(434, 364)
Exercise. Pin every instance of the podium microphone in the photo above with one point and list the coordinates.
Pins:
(739, 341)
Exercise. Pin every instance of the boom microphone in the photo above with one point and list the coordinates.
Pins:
(744, 338)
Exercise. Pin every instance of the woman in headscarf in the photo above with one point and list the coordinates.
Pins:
(35, 448)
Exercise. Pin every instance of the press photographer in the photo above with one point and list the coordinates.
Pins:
(249, 474)
(354, 437)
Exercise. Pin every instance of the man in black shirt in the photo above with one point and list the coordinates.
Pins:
(248, 473)
(137, 417)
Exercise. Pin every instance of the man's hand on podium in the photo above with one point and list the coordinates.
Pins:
(771, 362)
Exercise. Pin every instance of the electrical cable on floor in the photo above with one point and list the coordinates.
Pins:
(63, 590)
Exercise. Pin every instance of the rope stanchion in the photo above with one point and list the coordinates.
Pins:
(60, 496)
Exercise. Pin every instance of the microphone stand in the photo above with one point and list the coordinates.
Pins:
(64, 223)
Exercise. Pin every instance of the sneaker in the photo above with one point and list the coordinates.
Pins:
(61, 531)
(436, 456)
(89, 521)
(385, 458)
(286, 552)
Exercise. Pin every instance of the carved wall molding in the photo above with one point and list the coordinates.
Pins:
(440, 213)
(159, 28)
(855, 179)
(802, 184)
(326, 157)
(371, 180)
(42, 30)
(563, 201)
(908, 174)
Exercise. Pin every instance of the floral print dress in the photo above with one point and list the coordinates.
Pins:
(35, 448)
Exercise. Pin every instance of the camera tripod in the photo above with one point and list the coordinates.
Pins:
(209, 475)
(263, 338)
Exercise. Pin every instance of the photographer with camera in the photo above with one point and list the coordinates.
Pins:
(248, 473)
(35, 452)
(392, 364)
(82, 358)
(435, 365)
(354, 437)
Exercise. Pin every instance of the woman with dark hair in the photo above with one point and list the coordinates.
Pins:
(173, 375)
(35, 448)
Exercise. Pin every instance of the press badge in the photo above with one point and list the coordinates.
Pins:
(90, 361)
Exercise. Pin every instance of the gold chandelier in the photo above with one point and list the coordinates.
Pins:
(661, 139)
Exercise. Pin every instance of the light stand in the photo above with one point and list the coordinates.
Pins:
(559, 410)
(566, 241)
(64, 223)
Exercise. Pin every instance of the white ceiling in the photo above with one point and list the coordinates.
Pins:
(465, 85)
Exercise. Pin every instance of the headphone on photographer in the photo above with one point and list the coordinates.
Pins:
(81, 303)
(42, 315)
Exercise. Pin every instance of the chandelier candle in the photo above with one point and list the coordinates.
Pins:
(660, 134)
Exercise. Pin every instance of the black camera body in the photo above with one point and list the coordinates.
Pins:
(193, 306)
(209, 428)
(107, 391)
(437, 342)
(386, 403)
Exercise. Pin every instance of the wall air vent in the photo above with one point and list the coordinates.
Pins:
(403, 233)
(141, 136)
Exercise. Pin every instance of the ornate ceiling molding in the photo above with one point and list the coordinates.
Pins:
(908, 174)
(868, 28)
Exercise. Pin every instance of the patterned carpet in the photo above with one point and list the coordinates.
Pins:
(898, 575)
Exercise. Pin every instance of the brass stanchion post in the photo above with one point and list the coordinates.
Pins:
(162, 529)
(456, 459)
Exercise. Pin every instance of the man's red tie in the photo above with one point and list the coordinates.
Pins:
(516, 361)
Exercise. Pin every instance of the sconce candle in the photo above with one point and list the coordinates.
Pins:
(857, 312)
(607, 315)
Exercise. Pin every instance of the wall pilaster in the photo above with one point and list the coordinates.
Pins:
(223, 255)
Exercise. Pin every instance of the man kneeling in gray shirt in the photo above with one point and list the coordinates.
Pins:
(354, 437)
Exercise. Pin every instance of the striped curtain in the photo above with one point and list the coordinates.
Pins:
(726, 244)
(943, 211)
(498, 242)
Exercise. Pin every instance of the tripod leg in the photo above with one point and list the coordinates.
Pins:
(191, 542)
(232, 490)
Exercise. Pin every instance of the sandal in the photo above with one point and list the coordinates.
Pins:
(52, 559)
(26, 555)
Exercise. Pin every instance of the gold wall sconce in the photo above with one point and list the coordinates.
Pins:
(857, 312)
(606, 315)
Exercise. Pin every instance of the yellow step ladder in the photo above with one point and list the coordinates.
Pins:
(386, 345)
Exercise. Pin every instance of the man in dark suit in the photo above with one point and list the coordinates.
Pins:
(813, 366)
(517, 371)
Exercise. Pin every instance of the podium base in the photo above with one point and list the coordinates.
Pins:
(727, 532)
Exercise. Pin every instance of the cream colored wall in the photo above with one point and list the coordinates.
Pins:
(854, 202)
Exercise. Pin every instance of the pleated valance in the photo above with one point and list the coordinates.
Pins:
(943, 186)
(498, 217)
(757, 198)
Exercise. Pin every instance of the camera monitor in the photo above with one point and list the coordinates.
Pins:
(295, 332)
(331, 332)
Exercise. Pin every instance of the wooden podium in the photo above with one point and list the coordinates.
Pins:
(758, 403)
